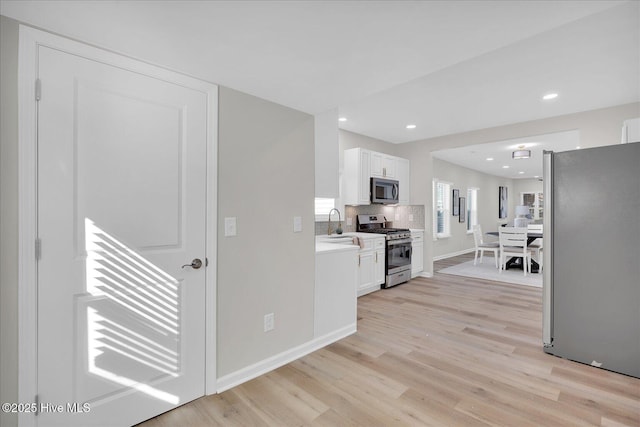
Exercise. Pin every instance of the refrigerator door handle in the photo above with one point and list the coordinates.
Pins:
(547, 253)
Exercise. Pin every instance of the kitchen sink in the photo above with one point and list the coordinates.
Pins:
(337, 238)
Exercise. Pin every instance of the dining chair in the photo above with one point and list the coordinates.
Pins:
(536, 245)
(482, 246)
(513, 243)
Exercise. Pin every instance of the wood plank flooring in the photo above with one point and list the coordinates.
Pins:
(446, 351)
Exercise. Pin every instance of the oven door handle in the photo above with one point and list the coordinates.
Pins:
(399, 241)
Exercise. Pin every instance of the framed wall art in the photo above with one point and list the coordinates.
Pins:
(503, 202)
(455, 209)
(463, 210)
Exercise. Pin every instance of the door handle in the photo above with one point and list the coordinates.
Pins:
(195, 264)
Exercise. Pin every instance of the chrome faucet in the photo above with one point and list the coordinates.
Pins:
(339, 229)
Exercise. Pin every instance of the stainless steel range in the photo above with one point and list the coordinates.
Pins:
(398, 248)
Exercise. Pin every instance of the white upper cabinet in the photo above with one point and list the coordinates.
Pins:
(356, 174)
(383, 165)
(360, 165)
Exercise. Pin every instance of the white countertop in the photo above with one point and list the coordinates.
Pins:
(334, 242)
(322, 248)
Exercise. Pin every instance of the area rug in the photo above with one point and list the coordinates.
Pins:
(487, 271)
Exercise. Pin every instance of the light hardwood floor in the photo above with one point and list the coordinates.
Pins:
(446, 351)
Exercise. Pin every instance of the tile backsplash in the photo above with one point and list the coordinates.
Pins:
(411, 216)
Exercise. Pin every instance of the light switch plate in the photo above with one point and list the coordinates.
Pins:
(230, 226)
(410, 217)
(269, 322)
(297, 224)
(349, 221)
(397, 217)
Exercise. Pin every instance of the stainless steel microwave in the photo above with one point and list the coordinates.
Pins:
(384, 191)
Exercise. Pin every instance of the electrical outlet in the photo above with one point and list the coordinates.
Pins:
(397, 217)
(349, 221)
(410, 217)
(269, 322)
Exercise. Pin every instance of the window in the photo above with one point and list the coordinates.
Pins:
(535, 202)
(323, 206)
(441, 209)
(472, 209)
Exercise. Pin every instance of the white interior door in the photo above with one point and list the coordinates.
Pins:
(121, 207)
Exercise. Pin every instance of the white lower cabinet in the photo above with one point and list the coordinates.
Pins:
(371, 261)
(417, 252)
(379, 265)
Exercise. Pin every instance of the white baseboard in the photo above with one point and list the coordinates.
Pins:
(422, 274)
(368, 290)
(253, 371)
(445, 256)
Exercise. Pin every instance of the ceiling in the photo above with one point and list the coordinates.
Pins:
(445, 66)
(491, 158)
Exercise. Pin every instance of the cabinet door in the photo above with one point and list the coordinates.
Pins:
(389, 166)
(417, 259)
(364, 182)
(379, 275)
(355, 176)
(383, 165)
(376, 165)
(417, 253)
(366, 268)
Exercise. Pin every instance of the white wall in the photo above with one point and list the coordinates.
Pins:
(266, 176)
(463, 179)
(266, 268)
(8, 216)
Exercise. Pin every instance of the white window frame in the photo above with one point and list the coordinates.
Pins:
(323, 206)
(446, 209)
(472, 208)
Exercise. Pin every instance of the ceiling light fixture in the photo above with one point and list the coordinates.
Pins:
(521, 173)
(489, 158)
(342, 119)
(550, 96)
(411, 126)
(521, 153)
(505, 167)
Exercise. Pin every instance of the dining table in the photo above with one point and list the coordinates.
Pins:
(516, 262)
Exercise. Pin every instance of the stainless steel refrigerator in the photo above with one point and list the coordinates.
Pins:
(591, 256)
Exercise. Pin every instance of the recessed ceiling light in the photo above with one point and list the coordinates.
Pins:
(342, 119)
(411, 126)
(536, 176)
(550, 96)
(521, 173)
(489, 158)
(578, 147)
(505, 167)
